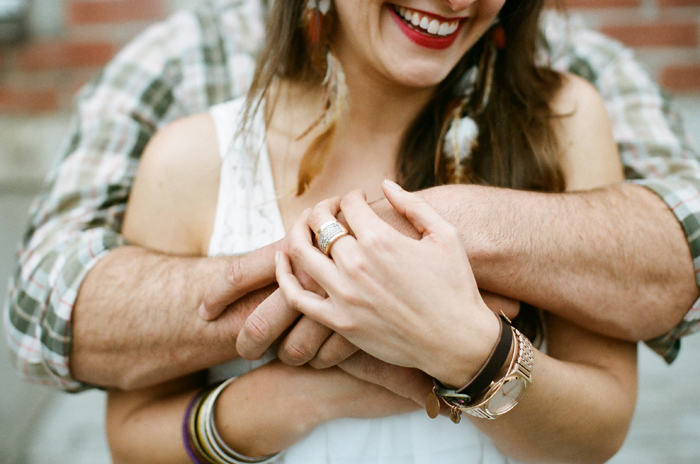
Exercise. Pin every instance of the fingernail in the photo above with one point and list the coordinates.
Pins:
(392, 184)
(277, 257)
(203, 312)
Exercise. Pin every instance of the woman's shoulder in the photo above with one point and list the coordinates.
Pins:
(576, 94)
(173, 199)
(589, 152)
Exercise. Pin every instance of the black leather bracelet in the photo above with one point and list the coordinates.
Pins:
(488, 372)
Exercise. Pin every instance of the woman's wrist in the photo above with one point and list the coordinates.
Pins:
(251, 419)
(201, 437)
(468, 352)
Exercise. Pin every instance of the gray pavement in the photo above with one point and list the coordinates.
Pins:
(39, 426)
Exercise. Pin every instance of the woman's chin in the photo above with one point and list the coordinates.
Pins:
(419, 77)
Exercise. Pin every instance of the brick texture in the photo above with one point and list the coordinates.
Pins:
(28, 100)
(42, 74)
(39, 56)
(656, 35)
(664, 33)
(114, 11)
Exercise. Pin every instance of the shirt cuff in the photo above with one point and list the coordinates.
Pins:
(668, 345)
(38, 318)
(683, 198)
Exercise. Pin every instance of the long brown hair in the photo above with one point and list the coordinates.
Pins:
(517, 145)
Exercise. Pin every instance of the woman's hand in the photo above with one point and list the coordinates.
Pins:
(386, 290)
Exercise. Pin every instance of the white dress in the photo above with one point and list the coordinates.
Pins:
(247, 218)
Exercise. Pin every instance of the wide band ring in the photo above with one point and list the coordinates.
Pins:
(328, 234)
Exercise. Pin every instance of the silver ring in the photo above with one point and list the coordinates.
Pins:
(327, 235)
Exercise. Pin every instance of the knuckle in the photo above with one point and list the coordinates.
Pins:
(257, 329)
(452, 234)
(325, 358)
(335, 351)
(318, 363)
(356, 267)
(347, 295)
(209, 300)
(370, 239)
(236, 272)
(346, 326)
(315, 217)
(328, 203)
(295, 250)
(346, 200)
(297, 353)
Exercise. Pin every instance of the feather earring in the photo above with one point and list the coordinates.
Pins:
(316, 10)
(336, 94)
(460, 133)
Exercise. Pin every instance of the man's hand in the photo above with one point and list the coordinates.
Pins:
(305, 341)
(241, 277)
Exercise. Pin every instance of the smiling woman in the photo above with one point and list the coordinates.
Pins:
(346, 95)
(426, 23)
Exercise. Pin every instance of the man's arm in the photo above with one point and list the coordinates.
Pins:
(174, 69)
(613, 260)
(655, 150)
(142, 328)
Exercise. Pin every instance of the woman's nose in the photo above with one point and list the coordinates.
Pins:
(458, 5)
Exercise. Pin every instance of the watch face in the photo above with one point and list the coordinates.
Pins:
(508, 396)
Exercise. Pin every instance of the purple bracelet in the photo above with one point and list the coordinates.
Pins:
(185, 430)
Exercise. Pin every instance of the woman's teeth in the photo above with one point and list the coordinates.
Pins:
(426, 23)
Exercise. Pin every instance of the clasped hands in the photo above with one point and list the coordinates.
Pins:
(391, 307)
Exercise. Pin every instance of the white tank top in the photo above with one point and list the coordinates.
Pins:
(247, 218)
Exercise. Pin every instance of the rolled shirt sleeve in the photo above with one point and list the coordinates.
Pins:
(180, 67)
(655, 150)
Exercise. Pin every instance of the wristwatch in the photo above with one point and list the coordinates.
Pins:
(504, 394)
(500, 396)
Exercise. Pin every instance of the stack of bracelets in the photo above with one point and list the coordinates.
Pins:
(202, 441)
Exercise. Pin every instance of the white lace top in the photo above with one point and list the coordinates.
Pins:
(248, 217)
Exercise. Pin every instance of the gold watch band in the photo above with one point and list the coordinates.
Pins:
(519, 373)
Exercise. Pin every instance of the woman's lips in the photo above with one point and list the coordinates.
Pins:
(425, 30)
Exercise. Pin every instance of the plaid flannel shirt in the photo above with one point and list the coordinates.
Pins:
(199, 58)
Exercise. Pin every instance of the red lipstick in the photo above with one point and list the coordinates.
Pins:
(423, 39)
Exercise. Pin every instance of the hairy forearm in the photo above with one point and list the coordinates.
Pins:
(142, 327)
(613, 260)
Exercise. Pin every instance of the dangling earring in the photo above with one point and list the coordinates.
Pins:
(316, 10)
(499, 36)
(460, 133)
(335, 101)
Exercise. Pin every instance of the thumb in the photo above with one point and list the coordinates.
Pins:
(243, 275)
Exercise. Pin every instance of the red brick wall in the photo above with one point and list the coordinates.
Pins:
(664, 33)
(42, 74)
